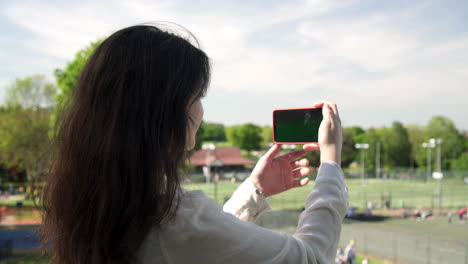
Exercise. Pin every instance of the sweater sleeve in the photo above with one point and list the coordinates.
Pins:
(320, 223)
(245, 203)
(204, 233)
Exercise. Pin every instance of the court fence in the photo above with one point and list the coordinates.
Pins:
(444, 200)
(390, 243)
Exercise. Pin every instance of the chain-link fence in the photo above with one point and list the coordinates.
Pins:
(395, 196)
(396, 245)
(403, 246)
(447, 199)
(404, 173)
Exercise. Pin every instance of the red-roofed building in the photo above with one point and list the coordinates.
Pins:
(221, 159)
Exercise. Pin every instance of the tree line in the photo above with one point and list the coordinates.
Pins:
(32, 105)
(400, 145)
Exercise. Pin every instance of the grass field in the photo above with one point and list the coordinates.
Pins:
(401, 193)
(415, 240)
(411, 241)
(406, 239)
(26, 203)
(27, 259)
(402, 240)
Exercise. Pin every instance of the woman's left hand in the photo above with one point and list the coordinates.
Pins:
(275, 175)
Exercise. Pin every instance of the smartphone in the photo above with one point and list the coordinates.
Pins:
(296, 125)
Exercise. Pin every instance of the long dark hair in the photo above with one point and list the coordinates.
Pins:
(120, 144)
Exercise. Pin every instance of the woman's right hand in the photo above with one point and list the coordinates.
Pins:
(330, 133)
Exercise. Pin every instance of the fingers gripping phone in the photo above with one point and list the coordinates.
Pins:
(296, 125)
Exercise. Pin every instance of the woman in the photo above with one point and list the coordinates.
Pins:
(113, 194)
(350, 252)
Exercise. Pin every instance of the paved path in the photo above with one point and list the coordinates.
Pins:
(403, 245)
(19, 239)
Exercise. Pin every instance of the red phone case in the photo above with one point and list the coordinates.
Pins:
(273, 127)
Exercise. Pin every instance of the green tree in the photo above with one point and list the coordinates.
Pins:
(348, 153)
(247, 136)
(212, 132)
(68, 77)
(396, 146)
(417, 136)
(199, 138)
(465, 144)
(267, 136)
(24, 139)
(461, 163)
(452, 141)
(356, 133)
(24, 125)
(372, 137)
(31, 92)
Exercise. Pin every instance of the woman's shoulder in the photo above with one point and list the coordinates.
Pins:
(195, 202)
(192, 194)
(189, 221)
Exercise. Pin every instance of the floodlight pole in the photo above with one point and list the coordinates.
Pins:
(362, 147)
(209, 150)
(377, 160)
(429, 145)
(439, 169)
(362, 167)
(439, 165)
(428, 164)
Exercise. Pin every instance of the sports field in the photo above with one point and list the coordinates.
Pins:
(400, 193)
(392, 240)
(411, 241)
(395, 240)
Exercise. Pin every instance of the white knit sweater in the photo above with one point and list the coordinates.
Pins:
(205, 232)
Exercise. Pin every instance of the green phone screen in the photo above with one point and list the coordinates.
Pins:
(297, 125)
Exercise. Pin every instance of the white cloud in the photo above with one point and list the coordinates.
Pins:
(369, 43)
(382, 59)
(400, 66)
(59, 30)
(225, 37)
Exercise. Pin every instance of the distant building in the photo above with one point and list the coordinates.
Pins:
(222, 160)
(228, 158)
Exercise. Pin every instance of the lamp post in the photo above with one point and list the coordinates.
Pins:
(439, 169)
(208, 160)
(213, 161)
(362, 147)
(439, 165)
(377, 160)
(429, 145)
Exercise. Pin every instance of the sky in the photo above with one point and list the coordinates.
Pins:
(380, 61)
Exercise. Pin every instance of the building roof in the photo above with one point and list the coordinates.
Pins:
(219, 156)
